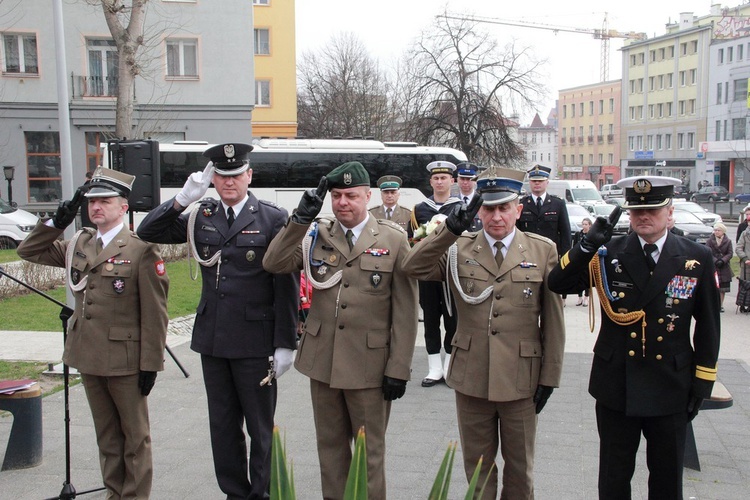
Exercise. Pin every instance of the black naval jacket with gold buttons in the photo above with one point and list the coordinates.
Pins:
(243, 310)
(655, 377)
(553, 222)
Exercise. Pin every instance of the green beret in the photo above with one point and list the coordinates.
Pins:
(350, 174)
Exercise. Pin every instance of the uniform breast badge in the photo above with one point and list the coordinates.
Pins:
(250, 255)
(375, 279)
(616, 264)
(470, 286)
(527, 293)
(75, 276)
(377, 252)
(322, 270)
(690, 264)
(207, 212)
(205, 251)
(670, 325)
(118, 285)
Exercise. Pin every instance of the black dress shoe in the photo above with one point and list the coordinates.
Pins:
(429, 382)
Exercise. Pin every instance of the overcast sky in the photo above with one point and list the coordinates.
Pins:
(388, 27)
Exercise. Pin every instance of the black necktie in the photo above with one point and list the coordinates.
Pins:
(648, 249)
(539, 204)
(466, 200)
(350, 238)
(230, 216)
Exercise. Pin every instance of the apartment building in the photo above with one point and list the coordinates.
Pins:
(192, 85)
(275, 113)
(539, 141)
(726, 149)
(589, 126)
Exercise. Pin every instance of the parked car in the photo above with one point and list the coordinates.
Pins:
(15, 225)
(623, 223)
(691, 226)
(710, 194)
(610, 191)
(682, 191)
(742, 198)
(576, 214)
(704, 215)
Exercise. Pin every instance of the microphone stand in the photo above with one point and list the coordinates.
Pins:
(68, 490)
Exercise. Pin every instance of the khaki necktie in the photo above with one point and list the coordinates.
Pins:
(388, 213)
(99, 246)
(350, 238)
(499, 253)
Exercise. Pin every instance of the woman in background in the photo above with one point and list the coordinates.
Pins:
(721, 250)
(583, 297)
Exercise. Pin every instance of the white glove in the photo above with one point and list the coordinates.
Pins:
(282, 360)
(196, 186)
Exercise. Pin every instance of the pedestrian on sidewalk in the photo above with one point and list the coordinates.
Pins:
(509, 343)
(648, 376)
(246, 321)
(722, 253)
(118, 332)
(583, 296)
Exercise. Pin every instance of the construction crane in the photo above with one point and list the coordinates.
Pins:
(604, 33)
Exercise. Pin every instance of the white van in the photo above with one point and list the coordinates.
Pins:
(581, 192)
(15, 225)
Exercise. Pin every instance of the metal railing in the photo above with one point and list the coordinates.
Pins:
(94, 86)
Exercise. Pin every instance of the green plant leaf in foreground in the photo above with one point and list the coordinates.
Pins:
(443, 479)
(356, 482)
(282, 477)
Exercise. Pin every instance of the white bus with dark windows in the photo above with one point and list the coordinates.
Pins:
(283, 168)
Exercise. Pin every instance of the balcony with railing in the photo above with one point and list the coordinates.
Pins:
(590, 139)
(563, 140)
(600, 139)
(610, 138)
(94, 86)
(580, 140)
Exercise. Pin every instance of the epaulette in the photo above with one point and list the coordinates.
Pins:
(539, 237)
(390, 223)
(269, 204)
(325, 221)
(209, 202)
(554, 196)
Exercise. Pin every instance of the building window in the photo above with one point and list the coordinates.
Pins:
(682, 78)
(681, 107)
(611, 158)
(658, 142)
(740, 52)
(725, 130)
(591, 108)
(693, 76)
(601, 158)
(667, 141)
(565, 160)
(631, 143)
(612, 105)
(591, 159)
(650, 110)
(182, 58)
(738, 128)
(671, 52)
(651, 83)
(691, 106)
(580, 109)
(726, 92)
(632, 60)
(632, 86)
(683, 49)
(261, 2)
(660, 109)
(43, 160)
(19, 54)
(670, 80)
(649, 142)
(661, 82)
(721, 56)
(103, 63)
(572, 110)
(691, 140)
(639, 142)
(580, 159)
(93, 151)
(632, 112)
(262, 42)
(669, 109)
(740, 89)
(680, 141)
(730, 54)
(565, 110)
(717, 132)
(601, 106)
(262, 93)
(694, 47)
(718, 93)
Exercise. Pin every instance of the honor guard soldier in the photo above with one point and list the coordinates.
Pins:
(508, 348)
(466, 175)
(648, 375)
(543, 213)
(390, 186)
(118, 332)
(246, 321)
(358, 340)
(433, 298)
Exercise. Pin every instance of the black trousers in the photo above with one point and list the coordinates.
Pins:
(434, 307)
(235, 396)
(619, 437)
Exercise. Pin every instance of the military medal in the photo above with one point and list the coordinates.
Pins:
(250, 255)
(118, 285)
(377, 252)
(322, 270)
(75, 276)
(470, 286)
(616, 263)
(670, 325)
(375, 279)
(109, 266)
(527, 293)
(206, 251)
(207, 212)
(332, 258)
(526, 265)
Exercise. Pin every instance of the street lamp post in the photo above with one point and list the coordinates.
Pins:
(9, 172)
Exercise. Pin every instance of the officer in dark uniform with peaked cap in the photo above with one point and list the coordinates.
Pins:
(648, 375)
(543, 213)
(239, 335)
(117, 334)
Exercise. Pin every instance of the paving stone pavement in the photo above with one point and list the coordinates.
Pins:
(422, 425)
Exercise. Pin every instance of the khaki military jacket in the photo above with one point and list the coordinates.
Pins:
(508, 344)
(365, 326)
(119, 326)
(401, 215)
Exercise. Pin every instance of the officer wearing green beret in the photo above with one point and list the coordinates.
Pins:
(358, 340)
(390, 186)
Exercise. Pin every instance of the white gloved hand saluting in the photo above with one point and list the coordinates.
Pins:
(196, 186)
(282, 360)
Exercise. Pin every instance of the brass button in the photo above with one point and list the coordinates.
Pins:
(659, 338)
(633, 335)
(622, 294)
(658, 357)
(676, 301)
(661, 320)
(631, 353)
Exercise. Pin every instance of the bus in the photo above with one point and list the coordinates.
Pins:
(284, 168)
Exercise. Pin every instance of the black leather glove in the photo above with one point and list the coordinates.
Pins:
(719, 263)
(67, 210)
(311, 203)
(461, 217)
(601, 231)
(694, 404)
(146, 382)
(393, 388)
(542, 394)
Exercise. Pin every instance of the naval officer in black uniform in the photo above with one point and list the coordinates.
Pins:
(543, 213)
(246, 318)
(648, 375)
